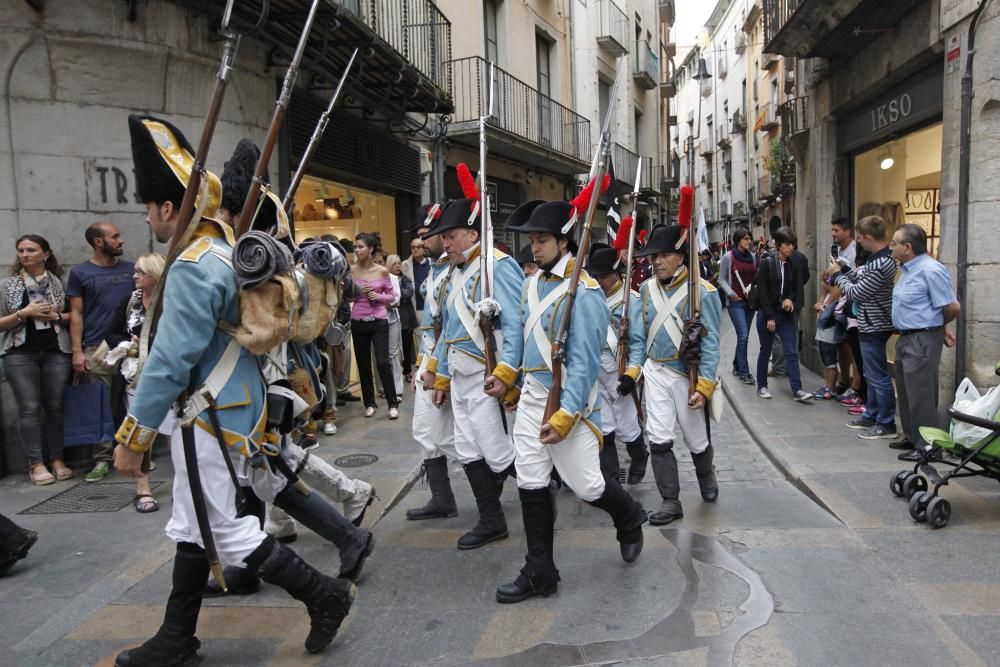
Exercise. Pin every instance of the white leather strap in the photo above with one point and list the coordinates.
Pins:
(612, 336)
(205, 395)
(463, 305)
(666, 315)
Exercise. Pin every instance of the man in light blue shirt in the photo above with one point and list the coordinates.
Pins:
(923, 301)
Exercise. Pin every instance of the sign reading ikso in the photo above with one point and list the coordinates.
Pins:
(915, 102)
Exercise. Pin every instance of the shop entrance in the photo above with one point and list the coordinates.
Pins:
(327, 207)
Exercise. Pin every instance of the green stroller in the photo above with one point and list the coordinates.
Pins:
(979, 460)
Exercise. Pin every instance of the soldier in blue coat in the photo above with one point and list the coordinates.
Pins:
(670, 402)
(569, 440)
(456, 367)
(619, 416)
(194, 355)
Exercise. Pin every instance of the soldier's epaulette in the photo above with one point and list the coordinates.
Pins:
(499, 254)
(197, 250)
(587, 281)
(709, 286)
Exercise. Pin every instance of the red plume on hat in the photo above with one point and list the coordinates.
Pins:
(624, 231)
(685, 207)
(582, 200)
(468, 183)
(642, 237)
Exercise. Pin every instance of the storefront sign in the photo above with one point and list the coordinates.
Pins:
(913, 102)
(953, 11)
(953, 57)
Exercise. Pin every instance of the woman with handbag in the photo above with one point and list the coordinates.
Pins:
(37, 354)
(126, 329)
(736, 273)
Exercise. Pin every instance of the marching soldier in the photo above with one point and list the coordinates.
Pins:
(433, 428)
(569, 440)
(455, 369)
(670, 403)
(193, 356)
(619, 416)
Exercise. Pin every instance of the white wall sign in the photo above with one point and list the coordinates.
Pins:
(953, 11)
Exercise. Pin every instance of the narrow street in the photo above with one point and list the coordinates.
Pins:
(765, 576)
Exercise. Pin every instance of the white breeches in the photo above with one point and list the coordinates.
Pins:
(433, 428)
(618, 413)
(235, 539)
(666, 398)
(575, 457)
(479, 430)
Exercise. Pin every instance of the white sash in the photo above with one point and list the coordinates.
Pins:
(666, 315)
(463, 307)
(533, 326)
(612, 336)
(433, 305)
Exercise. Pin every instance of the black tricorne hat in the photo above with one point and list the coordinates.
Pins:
(603, 260)
(163, 160)
(457, 214)
(425, 217)
(237, 174)
(665, 238)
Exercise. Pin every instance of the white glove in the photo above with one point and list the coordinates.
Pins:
(487, 308)
(117, 354)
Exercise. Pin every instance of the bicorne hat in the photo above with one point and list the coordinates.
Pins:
(603, 260)
(524, 256)
(425, 217)
(665, 238)
(460, 213)
(163, 160)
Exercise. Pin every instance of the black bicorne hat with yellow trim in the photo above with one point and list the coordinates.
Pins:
(665, 239)
(603, 260)
(163, 160)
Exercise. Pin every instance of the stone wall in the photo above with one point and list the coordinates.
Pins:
(70, 78)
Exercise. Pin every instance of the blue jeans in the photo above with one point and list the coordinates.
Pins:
(784, 326)
(881, 405)
(37, 380)
(741, 317)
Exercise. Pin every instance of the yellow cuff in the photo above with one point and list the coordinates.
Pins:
(420, 359)
(442, 383)
(633, 372)
(705, 387)
(562, 421)
(135, 436)
(513, 395)
(432, 365)
(505, 374)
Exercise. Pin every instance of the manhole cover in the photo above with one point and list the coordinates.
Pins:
(355, 460)
(104, 497)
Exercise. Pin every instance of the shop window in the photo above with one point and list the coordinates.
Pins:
(327, 207)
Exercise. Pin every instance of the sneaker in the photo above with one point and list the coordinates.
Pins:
(802, 396)
(329, 428)
(100, 471)
(393, 413)
(852, 402)
(823, 394)
(747, 379)
(862, 424)
(369, 411)
(763, 393)
(856, 410)
(879, 432)
(847, 394)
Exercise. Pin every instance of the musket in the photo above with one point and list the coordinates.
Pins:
(280, 107)
(598, 170)
(694, 290)
(486, 240)
(289, 202)
(623, 327)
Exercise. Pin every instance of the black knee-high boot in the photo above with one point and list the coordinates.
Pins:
(442, 502)
(608, 457)
(667, 483)
(175, 644)
(492, 524)
(539, 575)
(639, 456)
(628, 517)
(240, 580)
(327, 600)
(705, 471)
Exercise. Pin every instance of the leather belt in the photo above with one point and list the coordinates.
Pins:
(907, 332)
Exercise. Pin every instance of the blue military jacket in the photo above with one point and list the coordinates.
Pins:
(587, 337)
(636, 352)
(199, 295)
(663, 349)
(437, 284)
(508, 280)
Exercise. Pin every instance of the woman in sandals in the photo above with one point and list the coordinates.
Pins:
(125, 332)
(34, 342)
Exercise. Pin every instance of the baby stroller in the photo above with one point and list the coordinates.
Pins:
(979, 460)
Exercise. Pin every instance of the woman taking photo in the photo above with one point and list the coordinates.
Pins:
(34, 342)
(736, 273)
(131, 314)
(370, 323)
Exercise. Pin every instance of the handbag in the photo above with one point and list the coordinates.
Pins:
(87, 413)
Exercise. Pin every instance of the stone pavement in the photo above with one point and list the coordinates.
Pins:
(810, 561)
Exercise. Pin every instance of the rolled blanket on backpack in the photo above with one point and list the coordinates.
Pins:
(258, 257)
(321, 259)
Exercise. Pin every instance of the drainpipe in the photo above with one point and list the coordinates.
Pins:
(965, 145)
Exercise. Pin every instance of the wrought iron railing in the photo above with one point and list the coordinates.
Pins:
(793, 116)
(415, 28)
(646, 60)
(625, 162)
(612, 26)
(776, 15)
(517, 108)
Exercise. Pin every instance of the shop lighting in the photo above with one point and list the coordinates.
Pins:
(885, 161)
